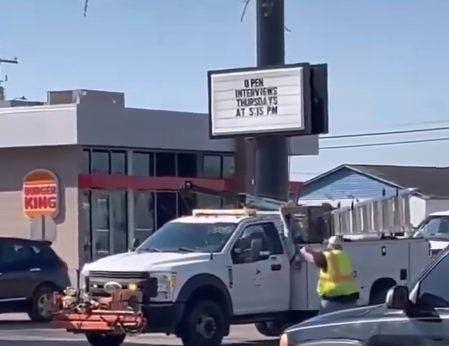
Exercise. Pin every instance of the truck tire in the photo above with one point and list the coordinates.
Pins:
(268, 329)
(203, 324)
(99, 339)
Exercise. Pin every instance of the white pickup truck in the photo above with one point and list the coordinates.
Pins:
(435, 228)
(202, 273)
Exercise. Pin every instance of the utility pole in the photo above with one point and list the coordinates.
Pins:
(271, 152)
(3, 80)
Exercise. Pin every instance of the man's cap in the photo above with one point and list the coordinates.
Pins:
(334, 240)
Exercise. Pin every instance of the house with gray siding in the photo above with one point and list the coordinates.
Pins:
(348, 184)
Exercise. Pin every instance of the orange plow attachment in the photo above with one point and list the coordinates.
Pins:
(118, 313)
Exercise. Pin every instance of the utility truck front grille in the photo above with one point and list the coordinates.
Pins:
(119, 275)
(146, 284)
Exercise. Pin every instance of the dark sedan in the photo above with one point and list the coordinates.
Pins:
(416, 317)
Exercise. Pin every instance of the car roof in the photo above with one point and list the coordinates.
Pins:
(440, 213)
(25, 240)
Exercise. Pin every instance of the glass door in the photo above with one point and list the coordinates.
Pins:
(118, 221)
(101, 244)
(109, 223)
(86, 225)
(143, 215)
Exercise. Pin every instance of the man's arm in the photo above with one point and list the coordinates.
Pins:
(315, 257)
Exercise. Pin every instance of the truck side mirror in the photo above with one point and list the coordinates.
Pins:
(397, 298)
(256, 249)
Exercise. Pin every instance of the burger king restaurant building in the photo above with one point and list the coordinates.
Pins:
(91, 175)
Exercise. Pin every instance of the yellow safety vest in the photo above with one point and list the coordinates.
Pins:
(338, 279)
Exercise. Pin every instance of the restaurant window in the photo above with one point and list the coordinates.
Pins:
(118, 162)
(101, 235)
(187, 165)
(143, 164)
(165, 164)
(143, 215)
(86, 161)
(87, 226)
(211, 166)
(100, 161)
(208, 202)
(118, 221)
(228, 167)
(166, 208)
(186, 203)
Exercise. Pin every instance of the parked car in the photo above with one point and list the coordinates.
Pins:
(416, 317)
(30, 271)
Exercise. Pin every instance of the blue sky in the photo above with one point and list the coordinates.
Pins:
(387, 60)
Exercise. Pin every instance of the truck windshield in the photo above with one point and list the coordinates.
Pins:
(437, 225)
(189, 237)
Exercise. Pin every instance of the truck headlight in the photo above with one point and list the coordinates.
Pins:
(84, 271)
(84, 279)
(166, 282)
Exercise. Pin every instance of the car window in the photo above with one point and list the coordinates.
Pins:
(201, 237)
(434, 287)
(433, 225)
(12, 252)
(274, 240)
(44, 251)
(242, 249)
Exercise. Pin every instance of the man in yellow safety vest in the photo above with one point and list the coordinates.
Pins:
(337, 286)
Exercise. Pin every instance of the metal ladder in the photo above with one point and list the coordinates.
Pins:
(293, 217)
(261, 203)
(380, 216)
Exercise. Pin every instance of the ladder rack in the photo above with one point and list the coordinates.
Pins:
(377, 217)
(380, 216)
(296, 219)
(262, 203)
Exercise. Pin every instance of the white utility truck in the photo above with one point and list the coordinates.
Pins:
(435, 228)
(204, 272)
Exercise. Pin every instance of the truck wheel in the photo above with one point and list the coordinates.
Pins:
(203, 325)
(99, 339)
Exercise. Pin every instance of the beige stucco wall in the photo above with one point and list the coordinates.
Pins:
(65, 162)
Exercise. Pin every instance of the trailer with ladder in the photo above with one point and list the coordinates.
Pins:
(236, 266)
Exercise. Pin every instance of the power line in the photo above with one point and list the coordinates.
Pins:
(386, 133)
(385, 144)
(305, 173)
(422, 123)
(368, 145)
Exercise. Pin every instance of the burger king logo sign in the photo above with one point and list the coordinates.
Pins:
(41, 194)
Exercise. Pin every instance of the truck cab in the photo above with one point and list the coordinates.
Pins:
(237, 258)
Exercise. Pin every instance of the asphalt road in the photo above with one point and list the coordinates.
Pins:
(17, 330)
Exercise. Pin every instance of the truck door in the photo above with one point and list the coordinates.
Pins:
(277, 268)
(260, 284)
